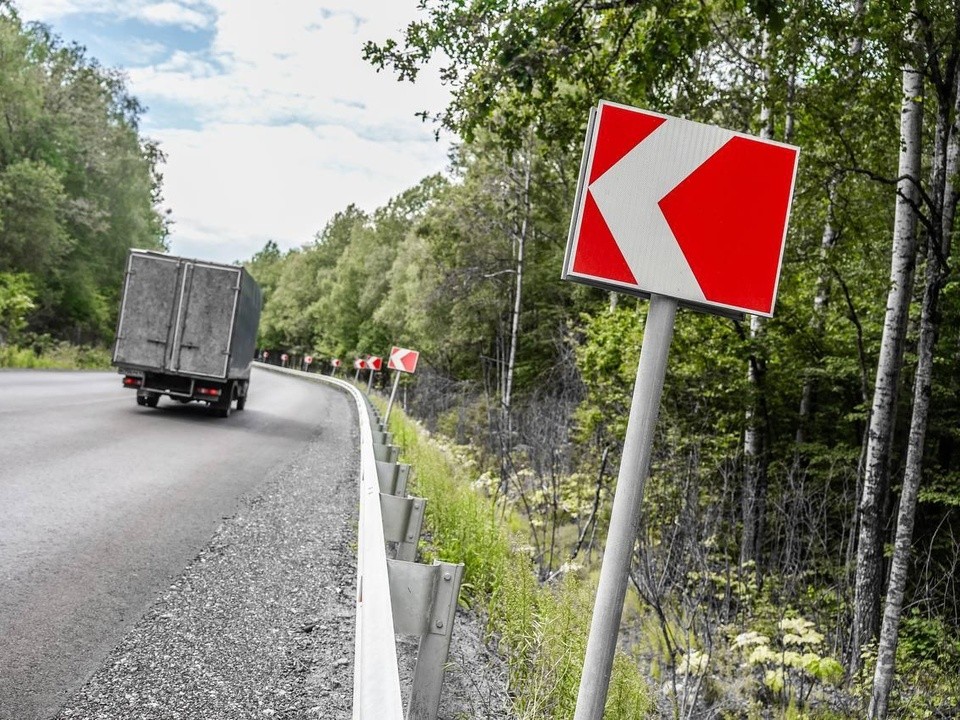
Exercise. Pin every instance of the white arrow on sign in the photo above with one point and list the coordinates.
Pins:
(628, 196)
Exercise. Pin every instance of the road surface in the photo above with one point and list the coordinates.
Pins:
(103, 503)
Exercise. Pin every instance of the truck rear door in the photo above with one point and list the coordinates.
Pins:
(205, 327)
(147, 314)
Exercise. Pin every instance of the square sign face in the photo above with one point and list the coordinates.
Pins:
(672, 207)
(403, 359)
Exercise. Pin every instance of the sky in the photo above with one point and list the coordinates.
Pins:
(270, 119)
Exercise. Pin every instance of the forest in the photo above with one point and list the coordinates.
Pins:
(799, 550)
(79, 186)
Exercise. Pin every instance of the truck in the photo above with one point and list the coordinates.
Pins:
(187, 329)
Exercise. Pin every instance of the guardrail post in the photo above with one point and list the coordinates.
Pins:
(424, 599)
(386, 453)
(402, 522)
(393, 477)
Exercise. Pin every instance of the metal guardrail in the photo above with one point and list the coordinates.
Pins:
(395, 595)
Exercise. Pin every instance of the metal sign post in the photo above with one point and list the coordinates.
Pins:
(393, 394)
(624, 520)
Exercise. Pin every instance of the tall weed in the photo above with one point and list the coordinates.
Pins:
(540, 630)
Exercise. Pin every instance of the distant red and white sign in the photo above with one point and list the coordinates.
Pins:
(335, 362)
(308, 359)
(360, 364)
(681, 209)
(284, 357)
(403, 360)
(374, 363)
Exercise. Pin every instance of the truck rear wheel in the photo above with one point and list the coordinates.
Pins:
(149, 399)
(223, 406)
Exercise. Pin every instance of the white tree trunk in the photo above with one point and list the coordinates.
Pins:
(521, 242)
(945, 195)
(869, 557)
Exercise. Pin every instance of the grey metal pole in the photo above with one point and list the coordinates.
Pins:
(370, 381)
(625, 516)
(393, 394)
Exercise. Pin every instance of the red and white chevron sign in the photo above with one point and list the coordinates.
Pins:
(360, 364)
(403, 360)
(374, 363)
(681, 209)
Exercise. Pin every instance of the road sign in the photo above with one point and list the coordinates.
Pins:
(335, 362)
(374, 363)
(360, 364)
(308, 359)
(679, 212)
(676, 208)
(403, 360)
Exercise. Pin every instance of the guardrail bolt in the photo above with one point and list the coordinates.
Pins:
(447, 577)
(439, 624)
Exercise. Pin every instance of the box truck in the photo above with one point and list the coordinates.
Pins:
(187, 329)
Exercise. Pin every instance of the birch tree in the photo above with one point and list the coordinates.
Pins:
(941, 206)
(869, 571)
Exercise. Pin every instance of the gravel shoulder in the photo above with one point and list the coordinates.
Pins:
(261, 623)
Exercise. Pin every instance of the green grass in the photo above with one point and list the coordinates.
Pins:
(59, 356)
(541, 630)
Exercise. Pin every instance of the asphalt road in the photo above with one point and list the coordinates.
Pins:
(103, 503)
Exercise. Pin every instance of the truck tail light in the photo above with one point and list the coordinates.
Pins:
(132, 382)
(213, 392)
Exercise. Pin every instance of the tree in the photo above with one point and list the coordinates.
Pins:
(520, 65)
(78, 185)
(940, 205)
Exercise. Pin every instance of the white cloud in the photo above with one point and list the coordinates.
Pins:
(288, 123)
(182, 14)
(170, 13)
(233, 187)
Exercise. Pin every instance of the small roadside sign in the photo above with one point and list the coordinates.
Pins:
(403, 359)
